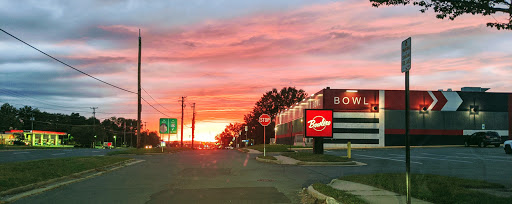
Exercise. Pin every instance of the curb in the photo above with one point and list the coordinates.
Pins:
(268, 160)
(348, 163)
(320, 196)
(39, 187)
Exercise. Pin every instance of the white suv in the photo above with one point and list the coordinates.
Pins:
(508, 146)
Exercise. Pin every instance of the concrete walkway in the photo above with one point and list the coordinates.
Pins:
(253, 151)
(286, 160)
(370, 193)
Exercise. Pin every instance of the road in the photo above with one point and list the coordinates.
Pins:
(230, 176)
(490, 164)
(207, 176)
(37, 154)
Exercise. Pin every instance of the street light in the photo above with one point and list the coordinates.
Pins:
(115, 141)
(94, 144)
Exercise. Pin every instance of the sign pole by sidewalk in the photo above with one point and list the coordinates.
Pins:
(264, 121)
(406, 66)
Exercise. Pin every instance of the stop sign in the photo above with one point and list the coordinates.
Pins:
(264, 119)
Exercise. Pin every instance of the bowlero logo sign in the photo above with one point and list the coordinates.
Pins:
(318, 123)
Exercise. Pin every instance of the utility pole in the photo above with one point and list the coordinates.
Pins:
(94, 124)
(182, 107)
(139, 105)
(124, 133)
(193, 122)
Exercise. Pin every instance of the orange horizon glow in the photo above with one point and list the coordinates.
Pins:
(224, 64)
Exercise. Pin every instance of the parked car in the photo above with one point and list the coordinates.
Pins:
(508, 146)
(482, 139)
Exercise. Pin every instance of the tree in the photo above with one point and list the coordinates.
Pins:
(271, 103)
(455, 8)
(232, 130)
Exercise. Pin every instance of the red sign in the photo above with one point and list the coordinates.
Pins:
(319, 123)
(264, 119)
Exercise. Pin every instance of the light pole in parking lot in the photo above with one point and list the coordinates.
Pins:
(115, 141)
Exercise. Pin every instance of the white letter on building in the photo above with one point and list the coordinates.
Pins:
(356, 100)
(348, 100)
(336, 100)
(364, 101)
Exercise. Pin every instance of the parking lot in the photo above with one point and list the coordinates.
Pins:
(489, 163)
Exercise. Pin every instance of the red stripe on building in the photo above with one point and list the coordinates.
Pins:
(13, 131)
(395, 100)
(288, 134)
(423, 132)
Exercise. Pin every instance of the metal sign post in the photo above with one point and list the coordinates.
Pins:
(406, 66)
(264, 121)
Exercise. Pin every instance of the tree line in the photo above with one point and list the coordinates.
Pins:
(82, 130)
(272, 102)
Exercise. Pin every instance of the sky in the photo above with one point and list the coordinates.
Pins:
(224, 55)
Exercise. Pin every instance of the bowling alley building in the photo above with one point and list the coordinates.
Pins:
(376, 118)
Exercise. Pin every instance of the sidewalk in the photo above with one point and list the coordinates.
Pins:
(370, 193)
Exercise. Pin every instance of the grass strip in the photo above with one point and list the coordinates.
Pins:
(310, 157)
(433, 188)
(339, 195)
(18, 174)
(271, 148)
(145, 151)
(15, 147)
(267, 157)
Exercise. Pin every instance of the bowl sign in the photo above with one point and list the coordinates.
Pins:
(264, 119)
(318, 123)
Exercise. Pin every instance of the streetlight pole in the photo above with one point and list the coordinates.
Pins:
(115, 141)
(247, 142)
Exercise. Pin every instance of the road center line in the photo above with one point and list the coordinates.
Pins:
(58, 153)
(20, 152)
(436, 159)
(385, 158)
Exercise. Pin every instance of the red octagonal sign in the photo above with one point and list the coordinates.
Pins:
(264, 119)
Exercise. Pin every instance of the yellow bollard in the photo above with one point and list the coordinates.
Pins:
(349, 150)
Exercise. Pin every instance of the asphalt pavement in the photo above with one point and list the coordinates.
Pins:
(489, 164)
(230, 176)
(37, 154)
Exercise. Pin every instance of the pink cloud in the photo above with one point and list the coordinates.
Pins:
(226, 65)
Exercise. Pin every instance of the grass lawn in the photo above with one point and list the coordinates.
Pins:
(144, 151)
(18, 174)
(433, 188)
(14, 147)
(271, 148)
(339, 195)
(267, 157)
(310, 157)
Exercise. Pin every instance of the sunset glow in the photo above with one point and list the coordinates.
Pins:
(225, 62)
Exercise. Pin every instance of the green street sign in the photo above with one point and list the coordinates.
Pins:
(168, 126)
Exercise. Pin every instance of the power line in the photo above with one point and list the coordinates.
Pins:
(66, 63)
(155, 100)
(154, 107)
(9, 93)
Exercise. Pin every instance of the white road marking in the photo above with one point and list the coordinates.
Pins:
(20, 152)
(59, 154)
(499, 157)
(386, 158)
(436, 159)
(95, 151)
